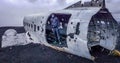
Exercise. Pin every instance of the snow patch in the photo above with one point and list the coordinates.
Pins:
(10, 32)
(12, 38)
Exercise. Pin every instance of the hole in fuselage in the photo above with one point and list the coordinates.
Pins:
(100, 30)
(56, 29)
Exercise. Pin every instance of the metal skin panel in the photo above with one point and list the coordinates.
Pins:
(78, 44)
(109, 43)
(38, 20)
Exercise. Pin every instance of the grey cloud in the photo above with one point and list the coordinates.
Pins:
(61, 2)
(32, 1)
(39, 1)
(12, 15)
(113, 6)
(109, 1)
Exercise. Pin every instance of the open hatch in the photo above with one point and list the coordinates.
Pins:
(56, 29)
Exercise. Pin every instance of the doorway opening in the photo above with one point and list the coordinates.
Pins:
(56, 29)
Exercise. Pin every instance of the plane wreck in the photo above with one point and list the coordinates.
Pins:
(75, 29)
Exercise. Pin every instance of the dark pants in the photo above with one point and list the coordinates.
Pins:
(57, 34)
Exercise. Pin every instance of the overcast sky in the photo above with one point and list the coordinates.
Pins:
(12, 12)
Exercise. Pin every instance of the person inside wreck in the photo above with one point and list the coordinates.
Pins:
(55, 24)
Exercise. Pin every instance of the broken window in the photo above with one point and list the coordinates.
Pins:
(102, 22)
(38, 28)
(77, 29)
(31, 26)
(35, 28)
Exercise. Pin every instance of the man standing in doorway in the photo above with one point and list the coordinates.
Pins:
(55, 24)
